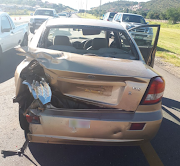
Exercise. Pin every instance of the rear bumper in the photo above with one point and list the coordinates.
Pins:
(105, 128)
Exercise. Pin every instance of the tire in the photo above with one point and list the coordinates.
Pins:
(22, 121)
(32, 30)
(25, 40)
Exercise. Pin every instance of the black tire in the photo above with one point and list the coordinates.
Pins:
(25, 40)
(22, 121)
(32, 30)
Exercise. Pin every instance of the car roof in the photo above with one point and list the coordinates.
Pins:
(129, 14)
(83, 22)
(44, 9)
(3, 13)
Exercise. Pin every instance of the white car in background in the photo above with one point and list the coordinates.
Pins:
(108, 16)
(143, 35)
(10, 34)
(63, 15)
(40, 16)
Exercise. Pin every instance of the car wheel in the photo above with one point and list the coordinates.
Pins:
(25, 40)
(22, 121)
(32, 30)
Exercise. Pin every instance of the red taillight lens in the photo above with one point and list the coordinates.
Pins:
(107, 19)
(155, 91)
(32, 119)
(137, 126)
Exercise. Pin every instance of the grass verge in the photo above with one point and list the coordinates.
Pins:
(169, 43)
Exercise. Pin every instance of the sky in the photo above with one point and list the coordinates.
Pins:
(77, 4)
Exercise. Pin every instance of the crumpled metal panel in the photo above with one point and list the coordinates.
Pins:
(40, 90)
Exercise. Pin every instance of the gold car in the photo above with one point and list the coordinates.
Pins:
(88, 82)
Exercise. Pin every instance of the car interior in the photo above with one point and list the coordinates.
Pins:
(89, 42)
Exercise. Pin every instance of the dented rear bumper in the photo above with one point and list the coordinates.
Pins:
(105, 127)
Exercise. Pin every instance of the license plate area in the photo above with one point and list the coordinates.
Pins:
(79, 123)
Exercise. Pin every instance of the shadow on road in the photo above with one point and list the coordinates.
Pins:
(167, 144)
(9, 62)
(173, 104)
(68, 155)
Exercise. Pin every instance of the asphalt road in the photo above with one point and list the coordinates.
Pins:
(166, 143)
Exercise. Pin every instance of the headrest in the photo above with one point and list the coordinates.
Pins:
(98, 43)
(61, 40)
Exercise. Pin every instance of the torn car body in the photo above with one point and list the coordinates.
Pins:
(67, 97)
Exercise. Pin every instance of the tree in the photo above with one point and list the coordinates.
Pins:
(163, 16)
(150, 15)
(173, 14)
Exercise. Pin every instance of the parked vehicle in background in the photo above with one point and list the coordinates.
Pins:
(40, 16)
(10, 34)
(128, 21)
(108, 16)
(86, 82)
(63, 15)
(67, 13)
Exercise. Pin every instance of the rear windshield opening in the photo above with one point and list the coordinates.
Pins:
(133, 18)
(44, 12)
(90, 41)
(111, 15)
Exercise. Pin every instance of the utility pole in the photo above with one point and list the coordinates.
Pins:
(100, 11)
(86, 6)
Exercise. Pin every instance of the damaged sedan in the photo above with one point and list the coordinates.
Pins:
(87, 82)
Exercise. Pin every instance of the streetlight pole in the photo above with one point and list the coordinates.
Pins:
(86, 6)
(100, 11)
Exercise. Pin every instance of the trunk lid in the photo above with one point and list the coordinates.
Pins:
(110, 83)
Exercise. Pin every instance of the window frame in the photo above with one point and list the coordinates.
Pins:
(8, 22)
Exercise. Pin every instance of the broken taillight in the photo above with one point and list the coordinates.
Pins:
(32, 119)
(154, 92)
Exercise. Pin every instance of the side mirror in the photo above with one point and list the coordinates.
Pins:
(147, 22)
(31, 14)
(118, 20)
(5, 30)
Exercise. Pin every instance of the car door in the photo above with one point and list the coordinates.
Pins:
(146, 38)
(6, 34)
(16, 33)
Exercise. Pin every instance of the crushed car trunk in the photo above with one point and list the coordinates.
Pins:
(79, 82)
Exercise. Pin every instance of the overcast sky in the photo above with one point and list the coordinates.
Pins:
(76, 4)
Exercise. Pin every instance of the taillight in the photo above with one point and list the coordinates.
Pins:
(32, 119)
(154, 92)
(107, 19)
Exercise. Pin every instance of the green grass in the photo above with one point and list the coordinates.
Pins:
(86, 15)
(169, 43)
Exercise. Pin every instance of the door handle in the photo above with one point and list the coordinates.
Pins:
(12, 32)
